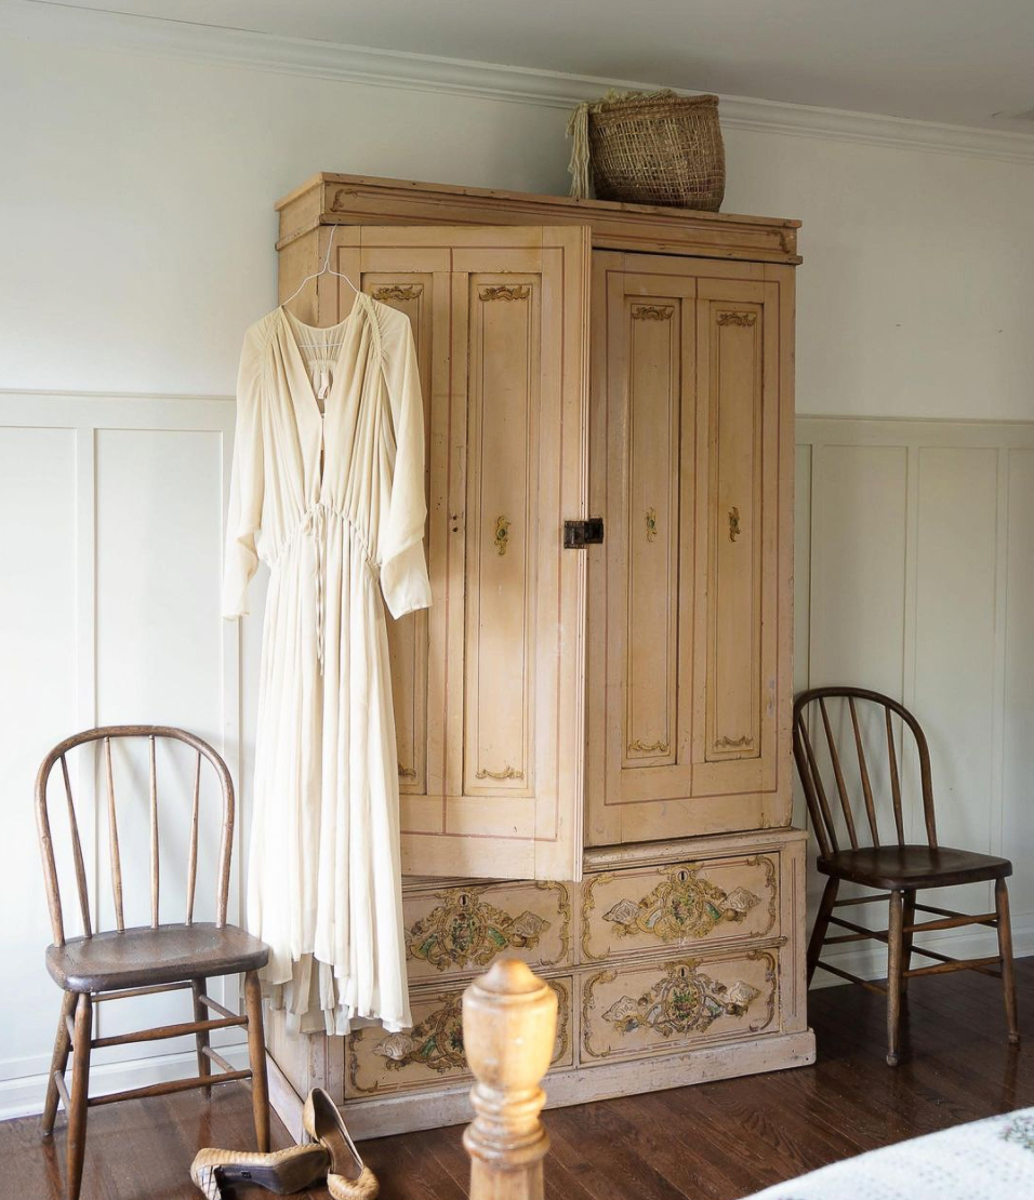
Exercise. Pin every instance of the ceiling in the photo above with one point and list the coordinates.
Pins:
(956, 61)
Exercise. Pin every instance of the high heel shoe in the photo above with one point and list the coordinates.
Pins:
(283, 1171)
(348, 1178)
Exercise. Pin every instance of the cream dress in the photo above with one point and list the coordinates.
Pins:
(334, 504)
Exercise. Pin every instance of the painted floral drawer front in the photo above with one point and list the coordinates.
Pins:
(678, 904)
(666, 1007)
(379, 1063)
(449, 930)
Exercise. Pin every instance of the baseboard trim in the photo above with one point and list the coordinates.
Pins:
(24, 1097)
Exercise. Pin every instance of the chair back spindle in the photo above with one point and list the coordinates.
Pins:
(105, 736)
(195, 812)
(820, 811)
(77, 854)
(863, 773)
(838, 775)
(895, 780)
(811, 776)
(116, 861)
(154, 835)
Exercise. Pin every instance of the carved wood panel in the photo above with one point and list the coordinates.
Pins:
(431, 1054)
(658, 1008)
(651, 530)
(412, 293)
(504, 356)
(644, 332)
(462, 929)
(737, 363)
(679, 904)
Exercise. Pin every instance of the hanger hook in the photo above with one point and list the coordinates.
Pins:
(324, 270)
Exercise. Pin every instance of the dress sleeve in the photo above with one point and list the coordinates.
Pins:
(404, 580)
(244, 517)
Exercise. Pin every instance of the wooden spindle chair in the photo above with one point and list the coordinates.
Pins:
(122, 963)
(896, 868)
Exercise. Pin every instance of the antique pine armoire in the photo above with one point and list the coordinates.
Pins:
(594, 715)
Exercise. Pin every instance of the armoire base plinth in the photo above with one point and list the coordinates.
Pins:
(406, 1114)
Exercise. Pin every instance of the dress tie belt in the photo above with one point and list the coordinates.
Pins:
(313, 526)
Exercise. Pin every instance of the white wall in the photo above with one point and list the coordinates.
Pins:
(138, 244)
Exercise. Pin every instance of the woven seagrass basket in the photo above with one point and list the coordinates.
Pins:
(649, 148)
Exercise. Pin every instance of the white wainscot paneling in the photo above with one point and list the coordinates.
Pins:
(1018, 707)
(915, 573)
(111, 514)
(38, 666)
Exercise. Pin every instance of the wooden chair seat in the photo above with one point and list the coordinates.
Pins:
(147, 957)
(910, 867)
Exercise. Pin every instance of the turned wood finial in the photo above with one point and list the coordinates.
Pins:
(509, 1030)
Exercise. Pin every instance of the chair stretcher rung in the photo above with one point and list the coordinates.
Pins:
(954, 964)
(167, 1031)
(880, 935)
(165, 1089)
(217, 1058)
(863, 900)
(956, 921)
(62, 1089)
(215, 1006)
(878, 988)
(145, 991)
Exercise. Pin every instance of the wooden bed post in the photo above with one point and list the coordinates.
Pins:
(509, 1031)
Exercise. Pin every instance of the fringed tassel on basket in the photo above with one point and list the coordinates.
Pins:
(578, 168)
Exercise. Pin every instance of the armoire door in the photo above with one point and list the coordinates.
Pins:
(489, 682)
(689, 612)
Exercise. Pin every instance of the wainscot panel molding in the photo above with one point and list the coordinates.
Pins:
(914, 576)
(111, 509)
(426, 72)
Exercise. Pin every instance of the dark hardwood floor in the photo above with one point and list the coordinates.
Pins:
(715, 1141)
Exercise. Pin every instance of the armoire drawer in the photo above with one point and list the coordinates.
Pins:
(460, 930)
(431, 1053)
(694, 903)
(665, 1007)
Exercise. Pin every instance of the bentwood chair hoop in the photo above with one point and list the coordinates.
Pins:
(897, 869)
(100, 966)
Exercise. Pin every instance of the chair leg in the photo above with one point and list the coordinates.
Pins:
(906, 942)
(62, 1043)
(1005, 957)
(80, 1093)
(894, 956)
(257, 1054)
(818, 934)
(204, 1066)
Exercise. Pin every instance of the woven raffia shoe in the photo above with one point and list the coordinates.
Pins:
(347, 1176)
(283, 1172)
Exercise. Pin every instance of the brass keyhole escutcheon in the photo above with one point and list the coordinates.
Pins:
(734, 524)
(651, 524)
(502, 534)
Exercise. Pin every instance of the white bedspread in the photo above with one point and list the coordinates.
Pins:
(986, 1160)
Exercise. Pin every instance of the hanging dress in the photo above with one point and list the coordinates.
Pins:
(333, 503)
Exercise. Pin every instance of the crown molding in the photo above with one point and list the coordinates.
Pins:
(45, 20)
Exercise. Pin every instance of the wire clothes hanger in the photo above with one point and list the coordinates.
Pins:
(324, 270)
